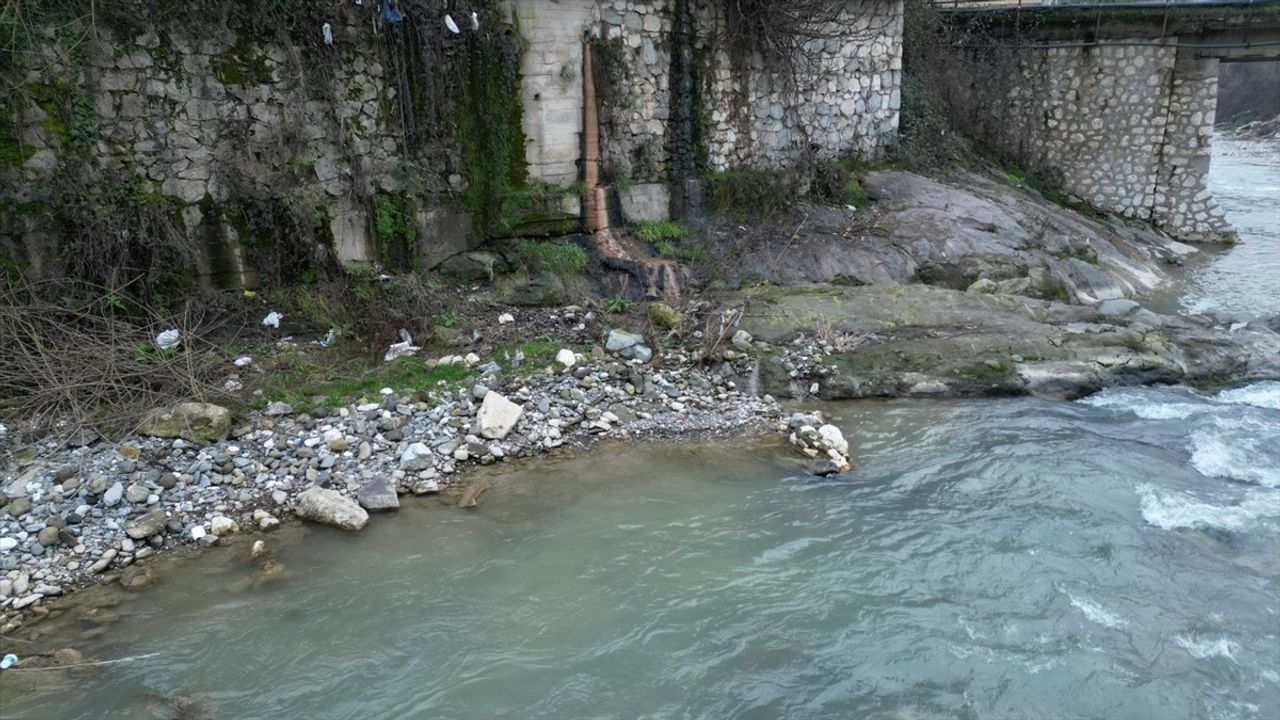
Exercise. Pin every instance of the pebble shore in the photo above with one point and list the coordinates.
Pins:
(75, 516)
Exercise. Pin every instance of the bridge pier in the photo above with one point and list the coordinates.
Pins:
(1183, 203)
(1126, 127)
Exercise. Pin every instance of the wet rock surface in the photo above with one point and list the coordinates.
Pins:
(916, 340)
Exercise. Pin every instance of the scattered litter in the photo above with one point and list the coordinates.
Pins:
(329, 339)
(328, 34)
(250, 294)
(391, 13)
(383, 277)
(386, 391)
(475, 21)
(1238, 326)
(402, 348)
(242, 361)
(506, 318)
(9, 661)
(449, 23)
(168, 340)
(272, 320)
(11, 668)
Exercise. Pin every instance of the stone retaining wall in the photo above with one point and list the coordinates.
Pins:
(321, 131)
(1125, 129)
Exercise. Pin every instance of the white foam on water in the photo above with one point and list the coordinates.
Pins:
(1261, 394)
(1096, 613)
(1174, 510)
(786, 550)
(1143, 404)
(1236, 450)
(1205, 649)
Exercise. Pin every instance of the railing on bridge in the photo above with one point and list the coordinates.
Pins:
(970, 5)
(1027, 18)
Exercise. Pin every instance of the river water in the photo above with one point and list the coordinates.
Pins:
(1117, 557)
(1245, 178)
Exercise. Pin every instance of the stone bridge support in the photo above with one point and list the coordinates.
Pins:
(1125, 127)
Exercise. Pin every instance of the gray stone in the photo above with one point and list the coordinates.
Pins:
(113, 495)
(1117, 307)
(378, 494)
(197, 422)
(497, 416)
(48, 536)
(328, 507)
(416, 457)
(147, 525)
(620, 340)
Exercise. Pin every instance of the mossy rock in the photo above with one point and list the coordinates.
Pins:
(663, 315)
(194, 421)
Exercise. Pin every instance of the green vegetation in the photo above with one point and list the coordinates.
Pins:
(488, 123)
(539, 352)
(556, 257)
(835, 182)
(397, 231)
(296, 378)
(654, 232)
(744, 193)
(617, 304)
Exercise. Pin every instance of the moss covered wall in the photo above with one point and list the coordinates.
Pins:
(271, 153)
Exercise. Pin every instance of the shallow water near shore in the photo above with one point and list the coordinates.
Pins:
(1116, 557)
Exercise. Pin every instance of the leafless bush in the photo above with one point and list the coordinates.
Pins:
(717, 330)
(85, 357)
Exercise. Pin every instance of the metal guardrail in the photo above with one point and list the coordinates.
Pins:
(1033, 5)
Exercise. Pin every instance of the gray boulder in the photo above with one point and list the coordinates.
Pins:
(497, 417)
(378, 494)
(141, 528)
(194, 421)
(328, 507)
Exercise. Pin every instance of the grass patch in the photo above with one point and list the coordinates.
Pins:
(296, 378)
(562, 258)
(663, 230)
(538, 353)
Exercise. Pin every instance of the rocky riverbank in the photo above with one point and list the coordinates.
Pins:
(922, 341)
(90, 514)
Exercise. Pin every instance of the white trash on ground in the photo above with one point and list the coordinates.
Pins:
(168, 340)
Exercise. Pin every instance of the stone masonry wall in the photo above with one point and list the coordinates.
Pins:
(1125, 129)
(845, 103)
(201, 120)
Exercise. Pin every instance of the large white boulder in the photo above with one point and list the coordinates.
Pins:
(497, 417)
(328, 507)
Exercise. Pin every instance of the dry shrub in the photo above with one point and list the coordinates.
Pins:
(81, 357)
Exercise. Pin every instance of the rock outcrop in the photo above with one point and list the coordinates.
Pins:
(887, 341)
(975, 230)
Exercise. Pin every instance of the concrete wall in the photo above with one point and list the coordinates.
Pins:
(1126, 129)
